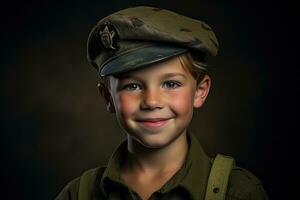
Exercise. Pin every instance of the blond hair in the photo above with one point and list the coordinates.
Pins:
(194, 65)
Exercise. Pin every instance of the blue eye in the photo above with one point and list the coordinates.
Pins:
(132, 86)
(171, 84)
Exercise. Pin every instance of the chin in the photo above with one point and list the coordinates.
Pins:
(153, 144)
(155, 141)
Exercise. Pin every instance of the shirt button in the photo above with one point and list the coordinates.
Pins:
(216, 190)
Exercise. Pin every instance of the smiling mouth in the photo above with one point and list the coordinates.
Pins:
(153, 123)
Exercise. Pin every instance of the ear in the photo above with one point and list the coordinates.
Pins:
(202, 91)
(106, 97)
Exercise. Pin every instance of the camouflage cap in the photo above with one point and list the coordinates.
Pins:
(139, 36)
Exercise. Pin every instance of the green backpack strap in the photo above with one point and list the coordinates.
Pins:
(218, 178)
(86, 184)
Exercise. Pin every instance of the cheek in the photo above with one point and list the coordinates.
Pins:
(183, 103)
(127, 104)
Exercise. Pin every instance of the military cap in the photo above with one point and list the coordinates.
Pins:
(139, 36)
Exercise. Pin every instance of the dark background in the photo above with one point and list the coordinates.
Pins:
(54, 126)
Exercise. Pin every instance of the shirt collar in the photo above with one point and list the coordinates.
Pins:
(197, 169)
(192, 176)
(112, 171)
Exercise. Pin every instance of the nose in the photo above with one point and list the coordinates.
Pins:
(152, 99)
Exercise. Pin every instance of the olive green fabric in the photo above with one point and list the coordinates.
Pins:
(130, 31)
(87, 183)
(218, 178)
(188, 183)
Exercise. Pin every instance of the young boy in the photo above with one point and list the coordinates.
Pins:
(153, 74)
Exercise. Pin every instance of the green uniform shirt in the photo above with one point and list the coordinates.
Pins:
(188, 183)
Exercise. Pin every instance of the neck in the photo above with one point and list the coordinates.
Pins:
(155, 160)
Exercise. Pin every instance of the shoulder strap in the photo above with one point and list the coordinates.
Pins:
(218, 178)
(87, 181)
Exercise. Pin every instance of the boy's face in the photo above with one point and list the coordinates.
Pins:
(155, 104)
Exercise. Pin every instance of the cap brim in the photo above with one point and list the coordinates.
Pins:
(140, 58)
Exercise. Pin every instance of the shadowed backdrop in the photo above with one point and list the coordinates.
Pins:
(54, 125)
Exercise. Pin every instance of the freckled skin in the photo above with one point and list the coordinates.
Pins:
(151, 93)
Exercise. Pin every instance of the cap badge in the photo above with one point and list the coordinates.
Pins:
(107, 38)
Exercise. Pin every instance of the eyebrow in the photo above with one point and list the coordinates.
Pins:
(170, 75)
(166, 75)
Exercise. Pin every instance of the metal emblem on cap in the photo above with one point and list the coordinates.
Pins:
(107, 37)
